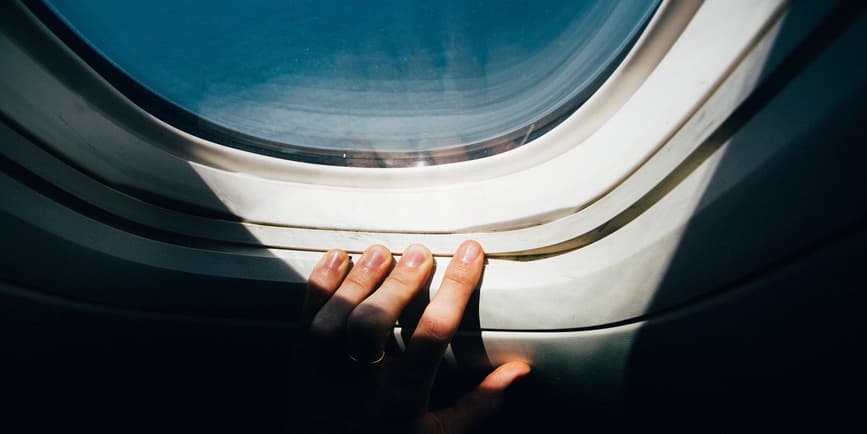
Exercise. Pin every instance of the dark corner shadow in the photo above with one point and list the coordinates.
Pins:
(758, 322)
(762, 306)
(104, 340)
(108, 343)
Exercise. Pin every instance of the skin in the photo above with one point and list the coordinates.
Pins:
(352, 310)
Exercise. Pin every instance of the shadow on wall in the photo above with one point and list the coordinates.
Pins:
(103, 339)
(777, 342)
(107, 324)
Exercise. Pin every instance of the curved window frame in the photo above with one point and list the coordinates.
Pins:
(214, 132)
(302, 206)
(596, 279)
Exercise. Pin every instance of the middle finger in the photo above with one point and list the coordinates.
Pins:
(372, 322)
(442, 316)
(329, 323)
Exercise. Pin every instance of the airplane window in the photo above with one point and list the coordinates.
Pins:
(382, 84)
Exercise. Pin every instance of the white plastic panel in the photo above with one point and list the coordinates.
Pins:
(563, 171)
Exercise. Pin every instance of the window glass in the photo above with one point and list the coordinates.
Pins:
(385, 83)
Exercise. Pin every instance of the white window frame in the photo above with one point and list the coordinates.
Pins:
(565, 178)
(586, 298)
(554, 273)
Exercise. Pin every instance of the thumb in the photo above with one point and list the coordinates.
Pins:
(483, 402)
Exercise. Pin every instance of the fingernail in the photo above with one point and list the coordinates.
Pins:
(373, 258)
(414, 255)
(334, 260)
(469, 252)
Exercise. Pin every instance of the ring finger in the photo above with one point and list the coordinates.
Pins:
(372, 322)
(329, 323)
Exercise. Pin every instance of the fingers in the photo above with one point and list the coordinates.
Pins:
(372, 322)
(412, 381)
(362, 306)
(323, 281)
(357, 310)
(329, 322)
(483, 402)
(441, 317)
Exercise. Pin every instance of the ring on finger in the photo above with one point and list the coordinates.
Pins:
(375, 361)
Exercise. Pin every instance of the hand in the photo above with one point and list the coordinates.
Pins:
(352, 385)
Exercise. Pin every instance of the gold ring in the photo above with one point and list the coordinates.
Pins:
(361, 362)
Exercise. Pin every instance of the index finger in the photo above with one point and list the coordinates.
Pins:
(325, 278)
(442, 316)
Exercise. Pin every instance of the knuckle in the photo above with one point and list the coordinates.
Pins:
(458, 280)
(435, 329)
(365, 320)
(402, 279)
(460, 276)
(357, 280)
(321, 329)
